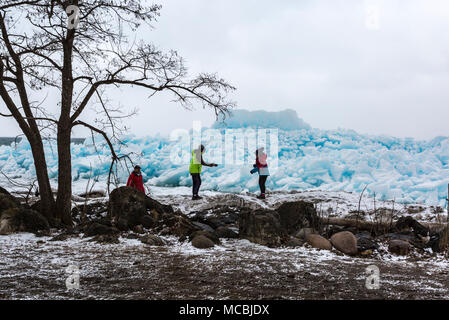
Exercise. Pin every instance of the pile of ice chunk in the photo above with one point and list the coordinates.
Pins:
(406, 170)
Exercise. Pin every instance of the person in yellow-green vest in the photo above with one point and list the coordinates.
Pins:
(196, 165)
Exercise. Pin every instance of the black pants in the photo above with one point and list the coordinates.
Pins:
(196, 179)
(262, 180)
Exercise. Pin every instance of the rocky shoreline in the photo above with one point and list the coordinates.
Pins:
(291, 224)
(129, 246)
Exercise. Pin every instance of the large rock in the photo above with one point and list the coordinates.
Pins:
(4, 191)
(408, 223)
(399, 247)
(262, 227)
(130, 207)
(148, 221)
(96, 228)
(202, 242)
(152, 240)
(87, 210)
(206, 234)
(304, 232)
(22, 220)
(345, 242)
(176, 224)
(224, 232)
(318, 242)
(296, 215)
(365, 242)
(7, 201)
(106, 239)
(294, 243)
(127, 204)
(218, 216)
(203, 226)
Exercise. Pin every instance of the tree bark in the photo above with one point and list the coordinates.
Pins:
(63, 202)
(47, 203)
(64, 196)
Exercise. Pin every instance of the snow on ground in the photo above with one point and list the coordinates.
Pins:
(35, 268)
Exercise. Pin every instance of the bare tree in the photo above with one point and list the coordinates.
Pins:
(79, 49)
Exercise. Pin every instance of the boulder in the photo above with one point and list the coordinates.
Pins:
(224, 232)
(22, 220)
(96, 228)
(206, 234)
(95, 208)
(345, 242)
(132, 236)
(148, 221)
(399, 247)
(405, 236)
(365, 242)
(296, 215)
(129, 204)
(155, 205)
(304, 232)
(62, 237)
(294, 243)
(203, 226)
(366, 253)
(37, 206)
(318, 242)
(218, 216)
(176, 224)
(138, 229)
(152, 240)
(407, 223)
(7, 201)
(262, 227)
(106, 239)
(202, 242)
(4, 191)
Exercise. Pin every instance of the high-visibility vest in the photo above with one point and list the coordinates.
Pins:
(195, 167)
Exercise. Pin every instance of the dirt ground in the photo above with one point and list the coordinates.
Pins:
(35, 268)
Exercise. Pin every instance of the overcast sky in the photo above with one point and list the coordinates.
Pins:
(327, 59)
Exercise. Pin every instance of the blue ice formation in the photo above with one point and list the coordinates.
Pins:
(403, 169)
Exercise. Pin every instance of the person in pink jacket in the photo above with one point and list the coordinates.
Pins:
(262, 168)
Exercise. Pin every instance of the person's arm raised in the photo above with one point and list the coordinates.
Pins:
(208, 164)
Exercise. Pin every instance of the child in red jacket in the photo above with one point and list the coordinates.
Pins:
(135, 180)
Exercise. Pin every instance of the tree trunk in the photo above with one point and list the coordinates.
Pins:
(47, 203)
(63, 202)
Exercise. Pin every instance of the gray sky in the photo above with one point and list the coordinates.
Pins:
(318, 57)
